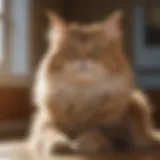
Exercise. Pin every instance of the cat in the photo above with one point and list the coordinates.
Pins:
(84, 83)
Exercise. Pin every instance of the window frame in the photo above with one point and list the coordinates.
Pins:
(7, 78)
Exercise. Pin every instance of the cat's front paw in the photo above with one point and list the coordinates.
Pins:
(57, 143)
(60, 148)
(92, 142)
(53, 142)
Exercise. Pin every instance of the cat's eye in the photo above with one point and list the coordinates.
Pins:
(96, 54)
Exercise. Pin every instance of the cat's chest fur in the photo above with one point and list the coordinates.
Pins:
(71, 100)
(85, 95)
(79, 97)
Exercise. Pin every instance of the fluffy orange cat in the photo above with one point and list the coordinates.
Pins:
(84, 83)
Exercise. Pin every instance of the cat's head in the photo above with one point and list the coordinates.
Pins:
(86, 53)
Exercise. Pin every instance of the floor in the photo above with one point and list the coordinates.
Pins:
(15, 150)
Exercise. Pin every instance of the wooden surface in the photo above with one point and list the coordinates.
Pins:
(14, 103)
(18, 151)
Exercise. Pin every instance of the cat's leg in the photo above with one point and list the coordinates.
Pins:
(56, 142)
(92, 142)
(45, 139)
(143, 133)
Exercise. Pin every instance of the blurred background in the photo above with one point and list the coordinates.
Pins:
(22, 43)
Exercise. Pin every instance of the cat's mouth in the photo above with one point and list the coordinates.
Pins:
(79, 77)
(83, 78)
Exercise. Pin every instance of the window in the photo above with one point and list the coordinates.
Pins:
(152, 37)
(1, 29)
(147, 46)
(14, 42)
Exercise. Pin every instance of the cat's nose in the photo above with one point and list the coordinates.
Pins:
(83, 65)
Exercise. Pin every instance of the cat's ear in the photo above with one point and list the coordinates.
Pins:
(57, 26)
(113, 25)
